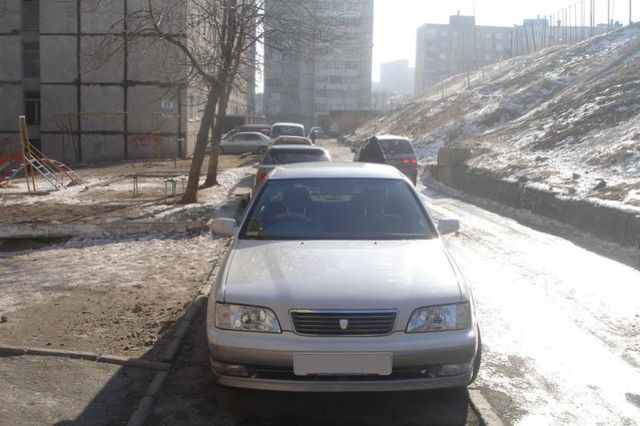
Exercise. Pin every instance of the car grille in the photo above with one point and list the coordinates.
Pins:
(354, 323)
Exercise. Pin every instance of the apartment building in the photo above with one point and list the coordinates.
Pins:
(443, 50)
(91, 89)
(336, 77)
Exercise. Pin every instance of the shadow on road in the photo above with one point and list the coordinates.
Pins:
(191, 397)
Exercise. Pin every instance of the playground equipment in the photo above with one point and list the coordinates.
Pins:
(32, 161)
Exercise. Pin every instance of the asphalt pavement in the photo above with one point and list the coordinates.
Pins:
(41, 390)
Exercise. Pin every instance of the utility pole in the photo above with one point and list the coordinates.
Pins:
(630, 20)
(608, 14)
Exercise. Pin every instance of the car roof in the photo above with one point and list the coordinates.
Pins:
(336, 170)
(288, 124)
(298, 138)
(296, 148)
(391, 137)
(252, 126)
(250, 133)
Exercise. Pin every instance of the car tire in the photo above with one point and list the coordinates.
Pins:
(478, 359)
(221, 151)
(262, 150)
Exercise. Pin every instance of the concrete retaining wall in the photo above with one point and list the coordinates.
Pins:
(607, 223)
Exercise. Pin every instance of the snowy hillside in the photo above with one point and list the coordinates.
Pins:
(565, 118)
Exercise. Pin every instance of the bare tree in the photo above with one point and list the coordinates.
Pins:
(212, 41)
(300, 27)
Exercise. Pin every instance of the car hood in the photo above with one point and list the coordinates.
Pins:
(286, 275)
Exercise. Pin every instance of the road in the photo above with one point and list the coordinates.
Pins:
(560, 332)
(560, 324)
(561, 337)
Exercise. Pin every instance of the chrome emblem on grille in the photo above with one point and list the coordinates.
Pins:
(344, 323)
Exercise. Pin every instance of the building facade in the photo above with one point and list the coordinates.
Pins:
(444, 50)
(86, 101)
(462, 46)
(397, 78)
(305, 88)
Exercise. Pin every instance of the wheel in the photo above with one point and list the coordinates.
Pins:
(262, 150)
(478, 360)
(221, 151)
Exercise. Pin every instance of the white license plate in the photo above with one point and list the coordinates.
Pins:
(356, 363)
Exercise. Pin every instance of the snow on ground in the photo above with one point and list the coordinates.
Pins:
(560, 325)
(32, 276)
(564, 117)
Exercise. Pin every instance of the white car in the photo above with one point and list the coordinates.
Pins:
(287, 129)
(338, 281)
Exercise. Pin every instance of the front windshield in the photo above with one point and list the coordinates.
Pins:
(292, 156)
(340, 209)
(287, 131)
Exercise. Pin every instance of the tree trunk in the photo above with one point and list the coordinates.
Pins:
(191, 193)
(218, 129)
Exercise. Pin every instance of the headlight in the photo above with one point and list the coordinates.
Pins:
(246, 318)
(440, 318)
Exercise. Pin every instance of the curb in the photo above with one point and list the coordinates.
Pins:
(141, 414)
(483, 409)
(66, 230)
(145, 406)
(87, 356)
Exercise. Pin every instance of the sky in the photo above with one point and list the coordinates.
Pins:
(396, 21)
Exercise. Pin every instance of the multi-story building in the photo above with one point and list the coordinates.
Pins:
(305, 87)
(397, 78)
(443, 50)
(86, 101)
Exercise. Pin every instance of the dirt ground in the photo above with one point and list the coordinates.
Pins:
(108, 295)
(106, 192)
(126, 305)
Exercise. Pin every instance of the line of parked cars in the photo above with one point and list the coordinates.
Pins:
(338, 280)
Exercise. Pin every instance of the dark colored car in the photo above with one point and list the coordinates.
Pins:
(287, 154)
(399, 153)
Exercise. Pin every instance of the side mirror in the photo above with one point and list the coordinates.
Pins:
(224, 226)
(448, 226)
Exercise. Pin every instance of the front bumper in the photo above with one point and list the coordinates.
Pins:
(345, 385)
(269, 359)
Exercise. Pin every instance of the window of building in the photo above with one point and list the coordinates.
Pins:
(335, 79)
(30, 15)
(31, 60)
(32, 107)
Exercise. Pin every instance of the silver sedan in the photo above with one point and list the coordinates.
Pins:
(253, 142)
(338, 281)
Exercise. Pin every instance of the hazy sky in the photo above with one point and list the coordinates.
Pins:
(396, 21)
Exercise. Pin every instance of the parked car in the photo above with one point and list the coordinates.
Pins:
(265, 129)
(253, 142)
(287, 154)
(398, 152)
(291, 140)
(287, 129)
(337, 280)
